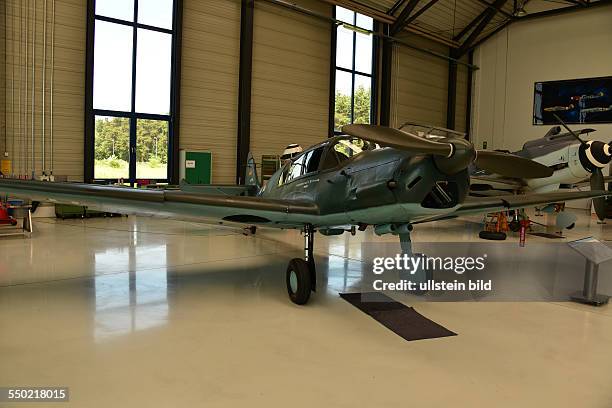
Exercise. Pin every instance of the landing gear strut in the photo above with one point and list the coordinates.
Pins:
(423, 274)
(301, 273)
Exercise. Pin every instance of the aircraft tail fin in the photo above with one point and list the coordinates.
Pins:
(251, 178)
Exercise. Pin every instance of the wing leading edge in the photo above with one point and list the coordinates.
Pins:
(164, 204)
(476, 205)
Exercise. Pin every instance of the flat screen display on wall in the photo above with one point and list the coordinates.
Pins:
(586, 100)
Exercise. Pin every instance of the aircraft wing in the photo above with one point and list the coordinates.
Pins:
(491, 182)
(189, 206)
(476, 205)
(586, 181)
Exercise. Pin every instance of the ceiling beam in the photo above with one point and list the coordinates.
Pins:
(385, 18)
(471, 25)
(563, 10)
(420, 11)
(498, 4)
(492, 33)
(548, 13)
(578, 2)
(400, 23)
(490, 6)
(395, 7)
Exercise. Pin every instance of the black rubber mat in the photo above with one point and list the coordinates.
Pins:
(397, 317)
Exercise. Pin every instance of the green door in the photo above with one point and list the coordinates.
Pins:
(198, 167)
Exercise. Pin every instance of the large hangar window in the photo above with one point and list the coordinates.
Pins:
(131, 80)
(354, 66)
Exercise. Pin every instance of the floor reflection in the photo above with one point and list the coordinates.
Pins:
(128, 302)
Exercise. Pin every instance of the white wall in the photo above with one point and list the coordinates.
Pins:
(567, 46)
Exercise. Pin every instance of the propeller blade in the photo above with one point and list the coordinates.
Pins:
(599, 203)
(391, 137)
(510, 165)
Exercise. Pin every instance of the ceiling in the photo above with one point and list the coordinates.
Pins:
(461, 24)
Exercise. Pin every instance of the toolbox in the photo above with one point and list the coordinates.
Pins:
(64, 211)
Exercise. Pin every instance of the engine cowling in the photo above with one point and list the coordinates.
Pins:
(595, 154)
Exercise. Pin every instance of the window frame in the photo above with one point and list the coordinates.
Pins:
(287, 167)
(334, 68)
(171, 118)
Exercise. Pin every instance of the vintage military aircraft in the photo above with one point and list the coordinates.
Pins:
(370, 176)
(571, 159)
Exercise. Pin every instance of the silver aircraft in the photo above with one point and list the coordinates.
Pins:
(571, 159)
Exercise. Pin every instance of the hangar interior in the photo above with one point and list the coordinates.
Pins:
(162, 312)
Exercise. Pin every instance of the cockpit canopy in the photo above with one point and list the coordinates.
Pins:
(325, 156)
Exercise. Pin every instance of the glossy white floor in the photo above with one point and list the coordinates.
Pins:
(149, 313)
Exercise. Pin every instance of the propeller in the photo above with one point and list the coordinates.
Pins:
(451, 155)
(397, 139)
(594, 156)
(599, 203)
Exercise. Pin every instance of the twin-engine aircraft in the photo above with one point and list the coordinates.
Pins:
(370, 176)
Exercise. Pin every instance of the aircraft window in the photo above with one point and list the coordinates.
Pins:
(347, 148)
(330, 161)
(296, 169)
(313, 159)
(305, 164)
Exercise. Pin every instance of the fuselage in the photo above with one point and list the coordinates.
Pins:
(572, 161)
(371, 186)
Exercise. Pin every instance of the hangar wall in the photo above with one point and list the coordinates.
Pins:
(290, 88)
(3, 115)
(461, 103)
(419, 86)
(69, 86)
(290, 79)
(209, 82)
(568, 46)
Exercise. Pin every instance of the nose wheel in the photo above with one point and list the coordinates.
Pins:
(301, 273)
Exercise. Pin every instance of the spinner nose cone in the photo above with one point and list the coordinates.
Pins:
(461, 156)
(599, 154)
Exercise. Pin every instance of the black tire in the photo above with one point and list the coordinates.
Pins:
(492, 235)
(299, 282)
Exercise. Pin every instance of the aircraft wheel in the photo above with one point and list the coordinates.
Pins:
(492, 235)
(299, 283)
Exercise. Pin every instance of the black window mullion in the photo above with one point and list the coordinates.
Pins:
(353, 69)
(132, 23)
(151, 116)
(132, 115)
(353, 72)
(133, 109)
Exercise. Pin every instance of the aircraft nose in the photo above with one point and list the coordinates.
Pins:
(598, 153)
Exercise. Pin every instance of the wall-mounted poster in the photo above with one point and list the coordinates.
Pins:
(587, 100)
